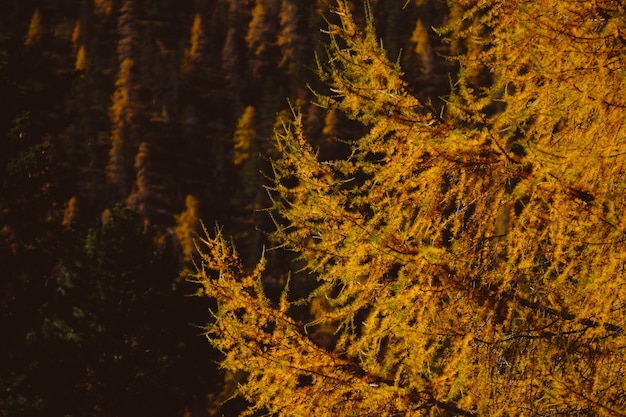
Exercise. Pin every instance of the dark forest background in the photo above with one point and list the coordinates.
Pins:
(122, 124)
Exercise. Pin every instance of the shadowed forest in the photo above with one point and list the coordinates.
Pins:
(427, 200)
(123, 123)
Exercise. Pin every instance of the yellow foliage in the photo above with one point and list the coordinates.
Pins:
(35, 29)
(470, 264)
(80, 59)
(193, 53)
(422, 45)
(103, 7)
(71, 214)
(187, 223)
(76, 33)
(244, 136)
(258, 27)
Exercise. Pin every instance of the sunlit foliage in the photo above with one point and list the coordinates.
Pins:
(471, 261)
(197, 43)
(244, 136)
(35, 30)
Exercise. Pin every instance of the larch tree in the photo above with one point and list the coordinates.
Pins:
(144, 195)
(194, 53)
(261, 36)
(244, 136)
(262, 26)
(471, 262)
(187, 224)
(35, 30)
(246, 153)
(422, 48)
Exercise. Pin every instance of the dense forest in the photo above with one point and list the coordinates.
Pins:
(124, 123)
(435, 190)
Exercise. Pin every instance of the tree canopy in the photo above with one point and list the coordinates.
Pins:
(467, 261)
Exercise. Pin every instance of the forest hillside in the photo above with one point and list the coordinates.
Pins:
(426, 197)
(123, 123)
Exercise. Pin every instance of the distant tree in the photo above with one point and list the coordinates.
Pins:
(261, 36)
(145, 197)
(423, 49)
(247, 148)
(187, 224)
(71, 213)
(197, 43)
(234, 51)
(35, 29)
(230, 55)
(80, 63)
(263, 25)
(291, 40)
(124, 105)
(470, 264)
(245, 136)
(103, 7)
(427, 60)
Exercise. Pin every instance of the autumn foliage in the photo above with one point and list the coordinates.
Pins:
(469, 261)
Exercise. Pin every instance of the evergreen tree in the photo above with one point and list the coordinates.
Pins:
(470, 264)
(145, 197)
(233, 52)
(124, 106)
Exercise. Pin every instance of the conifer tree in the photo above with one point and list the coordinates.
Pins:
(187, 224)
(423, 49)
(71, 213)
(35, 29)
(81, 59)
(246, 158)
(233, 51)
(262, 34)
(124, 106)
(290, 39)
(197, 42)
(471, 264)
(245, 135)
(262, 27)
(76, 35)
(144, 195)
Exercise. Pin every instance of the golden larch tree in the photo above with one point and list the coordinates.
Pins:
(423, 49)
(244, 136)
(197, 42)
(262, 27)
(35, 29)
(187, 224)
(471, 263)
